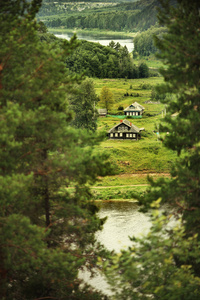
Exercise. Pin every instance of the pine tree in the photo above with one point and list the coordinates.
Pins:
(179, 50)
(165, 264)
(83, 104)
(47, 218)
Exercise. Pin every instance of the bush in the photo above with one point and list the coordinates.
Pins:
(154, 74)
(120, 113)
(145, 86)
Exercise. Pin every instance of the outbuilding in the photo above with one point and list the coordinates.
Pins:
(102, 112)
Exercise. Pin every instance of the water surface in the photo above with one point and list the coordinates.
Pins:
(123, 220)
(102, 39)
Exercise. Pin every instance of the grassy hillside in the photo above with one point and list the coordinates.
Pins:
(133, 160)
(140, 89)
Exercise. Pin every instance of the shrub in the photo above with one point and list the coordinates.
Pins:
(145, 86)
(120, 107)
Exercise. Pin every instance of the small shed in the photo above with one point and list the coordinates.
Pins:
(125, 130)
(102, 112)
(135, 109)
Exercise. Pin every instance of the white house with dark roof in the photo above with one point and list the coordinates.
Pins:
(125, 130)
(135, 109)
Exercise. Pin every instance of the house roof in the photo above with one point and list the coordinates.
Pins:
(131, 127)
(134, 107)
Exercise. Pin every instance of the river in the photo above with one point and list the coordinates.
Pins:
(123, 220)
(103, 40)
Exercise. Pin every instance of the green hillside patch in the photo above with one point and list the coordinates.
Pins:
(124, 180)
(142, 156)
(116, 193)
(133, 160)
(127, 91)
(152, 62)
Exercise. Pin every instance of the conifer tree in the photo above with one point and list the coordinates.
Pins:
(179, 50)
(165, 263)
(47, 218)
(83, 104)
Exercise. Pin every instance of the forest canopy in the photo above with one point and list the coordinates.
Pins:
(132, 16)
(113, 61)
(144, 42)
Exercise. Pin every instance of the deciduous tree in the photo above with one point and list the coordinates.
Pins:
(106, 98)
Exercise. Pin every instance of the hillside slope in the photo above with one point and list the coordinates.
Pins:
(127, 16)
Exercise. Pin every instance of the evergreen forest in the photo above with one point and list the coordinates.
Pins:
(57, 164)
(128, 16)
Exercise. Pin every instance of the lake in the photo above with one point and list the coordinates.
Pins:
(124, 220)
(103, 40)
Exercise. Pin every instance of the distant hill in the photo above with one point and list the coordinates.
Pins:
(129, 16)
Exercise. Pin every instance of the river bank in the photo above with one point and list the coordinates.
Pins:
(101, 37)
(94, 32)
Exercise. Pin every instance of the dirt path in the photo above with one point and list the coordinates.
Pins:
(142, 175)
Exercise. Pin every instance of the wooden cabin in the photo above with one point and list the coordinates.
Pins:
(135, 109)
(125, 130)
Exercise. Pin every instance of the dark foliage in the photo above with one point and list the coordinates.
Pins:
(95, 60)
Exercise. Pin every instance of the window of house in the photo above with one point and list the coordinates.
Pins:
(121, 134)
(111, 135)
(116, 134)
(127, 135)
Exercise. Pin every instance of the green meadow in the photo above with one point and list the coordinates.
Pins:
(133, 161)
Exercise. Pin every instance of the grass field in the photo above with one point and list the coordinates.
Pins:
(142, 156)
(133, 160)
(138, 89)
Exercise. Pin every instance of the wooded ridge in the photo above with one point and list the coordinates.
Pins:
(131, 16)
